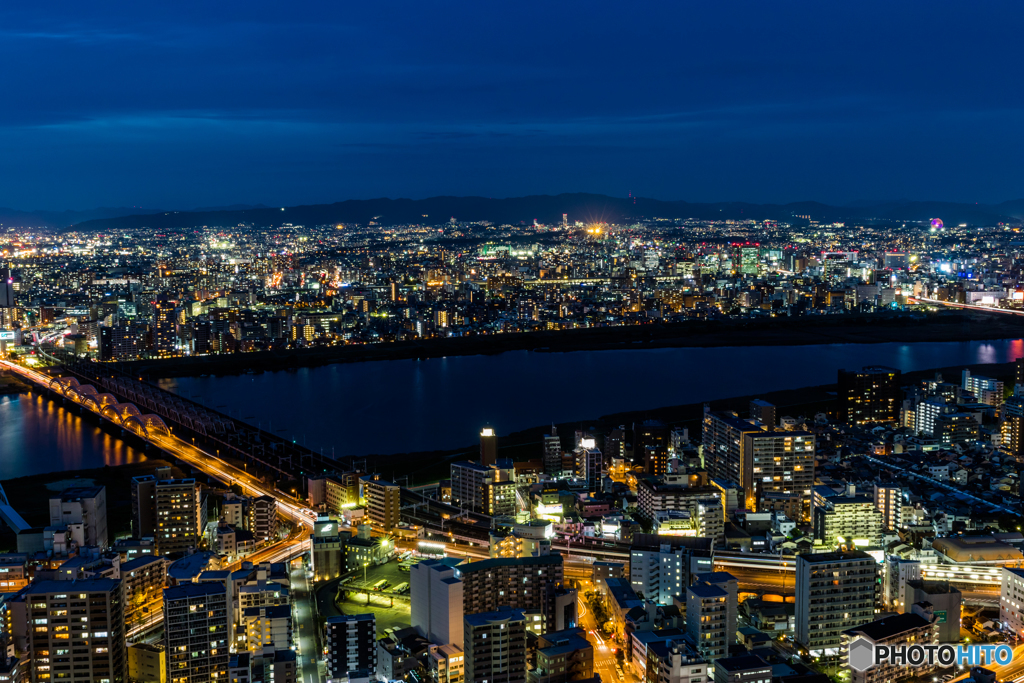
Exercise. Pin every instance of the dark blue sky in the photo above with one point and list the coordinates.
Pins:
(200, 104)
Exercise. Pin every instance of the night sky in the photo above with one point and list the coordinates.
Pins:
(207, 104)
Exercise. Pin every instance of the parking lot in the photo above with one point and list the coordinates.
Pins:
(389, 612)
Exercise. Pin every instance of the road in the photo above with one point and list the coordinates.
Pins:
(969, 307)
(604, 649)
(295, 544)
(307, 640)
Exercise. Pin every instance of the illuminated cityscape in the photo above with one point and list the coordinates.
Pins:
(461, 391)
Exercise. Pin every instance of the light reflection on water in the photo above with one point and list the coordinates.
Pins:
(38, 434)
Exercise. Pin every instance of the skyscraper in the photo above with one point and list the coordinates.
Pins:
(723, 438)
(196, 632)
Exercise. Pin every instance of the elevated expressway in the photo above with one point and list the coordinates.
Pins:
(152, 429)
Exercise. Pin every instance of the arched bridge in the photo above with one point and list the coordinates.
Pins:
(125, 414)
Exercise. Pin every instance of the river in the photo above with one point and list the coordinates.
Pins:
(413, 405)
(38, 435)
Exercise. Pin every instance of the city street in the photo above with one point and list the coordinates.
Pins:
(307, 637)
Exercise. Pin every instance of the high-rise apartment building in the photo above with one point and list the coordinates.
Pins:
(76, 631)
(351, 642)
(196, 620)
(711, 610)
(436, 593)
(177, 515)
(689, 493)
(495, 647)
(889, 501)
(527, 583)
(660, 567)
(764, 412)
(263, 518)
(164, 326)
(651, 444)
(833, 591)
(985, 389)
(778, 472)
(723, 439)
(383, 501)
(853, 519)
(590, 464)
(489, 490)
(85, 505)
(144, 506)
(872, 394)
(1012, 426)
(144, 579)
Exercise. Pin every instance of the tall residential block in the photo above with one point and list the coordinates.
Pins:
(711, 609)
(527, 583)
(723, 438)
(889, 501)
(872, 394)
(76, 631)
(436, 593)
(85, 505)
(351, 642)
(263, 518)
(144, 506)
(196, 620)
(382, 499)
(833, 592)
(495, 646)
(661, 567)
(778, 472)
(177, 516)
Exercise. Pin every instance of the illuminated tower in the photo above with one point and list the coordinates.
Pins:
(488, 447)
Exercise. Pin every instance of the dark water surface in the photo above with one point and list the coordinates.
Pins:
(409, 405)
(40, 435)
(412, 405)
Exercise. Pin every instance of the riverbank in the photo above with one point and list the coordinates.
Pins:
(426, 467)
(30, 496)
(12, 385)
(885, 327)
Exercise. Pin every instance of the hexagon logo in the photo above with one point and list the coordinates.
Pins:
(862, 654)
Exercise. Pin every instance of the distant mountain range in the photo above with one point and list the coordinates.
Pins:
(516, 210)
